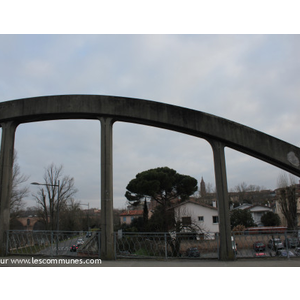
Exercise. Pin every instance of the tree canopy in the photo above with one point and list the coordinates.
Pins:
(270, 219)
(241, 217)
(162, 185)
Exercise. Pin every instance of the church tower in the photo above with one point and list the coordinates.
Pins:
(202, 188)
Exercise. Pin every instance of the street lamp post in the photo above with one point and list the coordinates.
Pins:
(57, 224)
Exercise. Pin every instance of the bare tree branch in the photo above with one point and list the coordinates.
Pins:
(18, 192)
(48, 201)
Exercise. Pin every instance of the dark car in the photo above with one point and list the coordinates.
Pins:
(192, 252)
(291, 242)
(259, 246)
(73, 248)
(284, 253)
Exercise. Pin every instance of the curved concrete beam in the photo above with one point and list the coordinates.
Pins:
(196, 123)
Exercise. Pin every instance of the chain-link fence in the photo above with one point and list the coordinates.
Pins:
(267, 244)
(165, 245)
(53, 243)
(153, 245)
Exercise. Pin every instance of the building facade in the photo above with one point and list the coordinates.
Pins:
(127, 216)
(199, 217)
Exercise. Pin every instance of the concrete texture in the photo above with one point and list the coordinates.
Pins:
(6, 171)
(192, 122)
(219, 132)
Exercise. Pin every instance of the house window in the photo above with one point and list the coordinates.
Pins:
(186, 221)
(201, 218)
(124, 219)
(215, 219)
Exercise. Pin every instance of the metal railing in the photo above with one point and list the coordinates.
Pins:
(166, 245)
(53, 243)
(159, 245)
(267, 244)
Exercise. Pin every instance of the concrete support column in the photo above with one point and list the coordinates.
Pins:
(6, 170)
(226, 252)
(107, 230)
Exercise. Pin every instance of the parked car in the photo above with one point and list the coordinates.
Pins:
(259, 254)
(275, 244)
(234, 245)
(291, 242)
(73, 248)
(285, 253)
(297, 251)
(126, 252)
(192, 252)
(259, 246)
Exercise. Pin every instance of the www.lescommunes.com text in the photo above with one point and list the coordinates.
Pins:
(50, 261)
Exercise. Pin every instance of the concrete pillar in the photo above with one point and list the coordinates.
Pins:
(107, 230)
(226, 251)
(6, 169)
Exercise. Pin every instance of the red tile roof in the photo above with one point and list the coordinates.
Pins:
(137, 212)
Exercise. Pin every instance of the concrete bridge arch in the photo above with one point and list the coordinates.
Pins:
(29, 223)
(219, 132)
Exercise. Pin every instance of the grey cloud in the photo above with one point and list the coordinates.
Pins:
(251, 79)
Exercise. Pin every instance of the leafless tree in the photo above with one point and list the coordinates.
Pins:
(72, 216)
(288, 199)
(47, 196)
(191, 225)
(185, 227)
(210, 188)
(285, 180)
(18, 192)
(245, 192)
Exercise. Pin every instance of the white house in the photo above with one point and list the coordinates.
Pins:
(257, 211)
(202, 217)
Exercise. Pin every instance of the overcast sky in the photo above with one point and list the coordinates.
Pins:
(250, 79)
